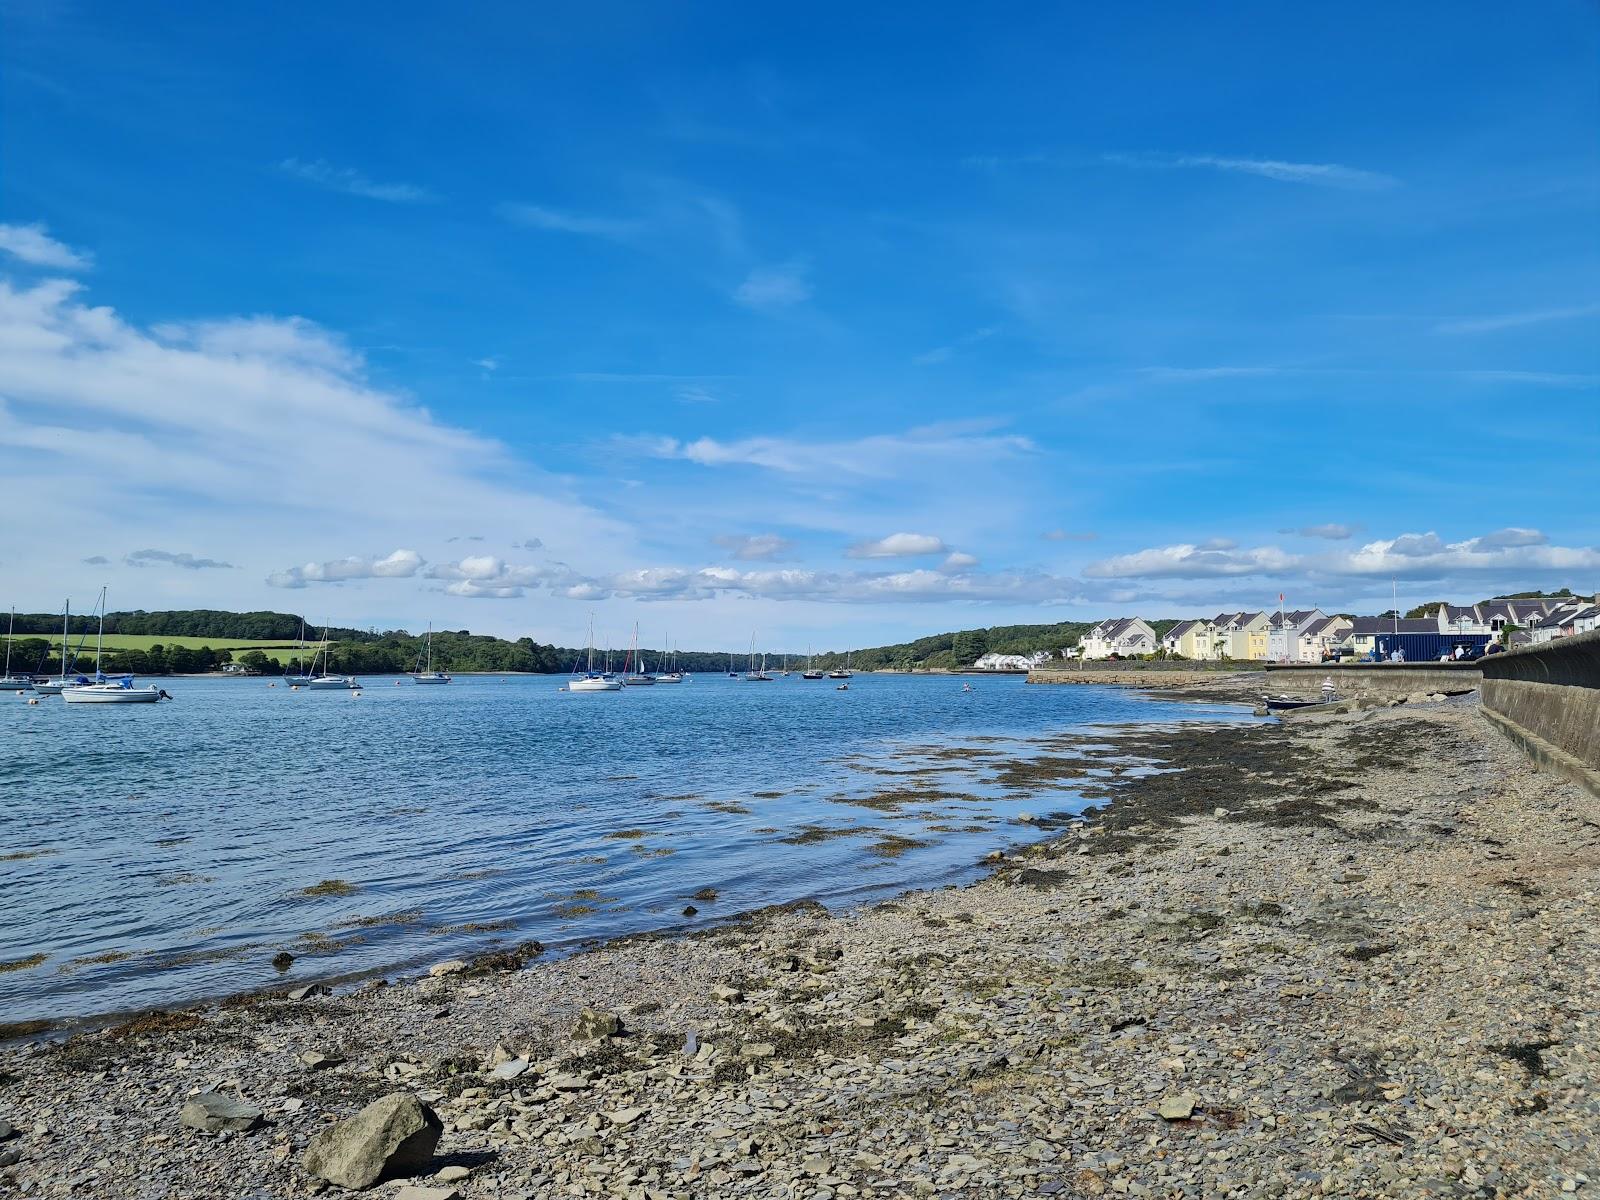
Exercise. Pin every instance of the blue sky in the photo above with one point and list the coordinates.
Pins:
(842, 326)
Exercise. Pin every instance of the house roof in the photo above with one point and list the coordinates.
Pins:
(1119, 627)
(1320, 626)
(1181, 628)
(1366, 626)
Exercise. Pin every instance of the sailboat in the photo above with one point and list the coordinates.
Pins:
(52, 687)
(8, 680)
(104, 691)
(328, 681)
(592, 680)
(732, 674)
(301, 679)
(633, 672)
(756, 674)
(810, 672)
(844, 671)
(673, 673)
(418, 674)
(785, 671)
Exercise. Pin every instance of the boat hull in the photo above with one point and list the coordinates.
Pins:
(110, 694)
(639, 681)
(51, 688)
(336, 684)
(594, 685)
(430, 679)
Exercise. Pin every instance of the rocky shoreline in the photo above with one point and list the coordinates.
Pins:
(1355, 955)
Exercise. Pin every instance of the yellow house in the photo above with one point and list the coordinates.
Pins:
(1191, 639)
(1241, 635)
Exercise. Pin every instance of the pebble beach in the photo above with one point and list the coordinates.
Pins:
(1348, 955)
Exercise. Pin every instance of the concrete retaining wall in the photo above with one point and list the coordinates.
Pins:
(1372, 679)
(1547, 699)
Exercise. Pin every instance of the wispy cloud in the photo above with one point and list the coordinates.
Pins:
(1332, 531)
(145, 558)
(1063, 535)
(1492, 324)
(402, 564)
(553, 220)
(877, 455)
(774, 287)
(1335, 175)
(354, 183)
(945, 353)
(899, 545)
(34, 246)
(761, 546)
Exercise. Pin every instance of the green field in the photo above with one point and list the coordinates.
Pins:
(142, 641)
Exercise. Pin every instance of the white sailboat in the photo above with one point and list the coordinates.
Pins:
(52, 687)
(303, 678)
(638, 676)
(673, 673)
(328, 681)
(592, 680)
(428, 675)
(844, 671)
(8, 680)
(108, 691)
(756, 674)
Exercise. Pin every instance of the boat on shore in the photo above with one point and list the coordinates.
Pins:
(421, 674)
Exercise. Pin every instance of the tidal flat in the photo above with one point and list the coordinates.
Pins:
(1351, 956)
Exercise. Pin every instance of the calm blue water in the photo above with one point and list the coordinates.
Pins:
(176, 838)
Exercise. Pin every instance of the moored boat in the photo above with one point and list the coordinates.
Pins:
(109, 691)
(592, 680)
(421, 674)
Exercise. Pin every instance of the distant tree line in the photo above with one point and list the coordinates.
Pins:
(194, 622)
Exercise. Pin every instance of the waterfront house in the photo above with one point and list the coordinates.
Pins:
(1120, 635)
(1191, 639)
(1575, 616)
(1284, 630)
(1236, 635)
(1319, 638)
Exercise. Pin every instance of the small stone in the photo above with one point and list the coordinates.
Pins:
(212, 1112)
(453, 967)
(310, 990)
(412, 1191)
(624, 1117)
(593, 1024)
(689, 910)
(315, 1060)
(569, 1083)
(454, 1173)
(1349, 877)
(724, 994)
(395, 1135)
(11, 1157)
(1178, 1108)
(7, 1131)
(757, 1050)
(510, 1069)
(283, 960)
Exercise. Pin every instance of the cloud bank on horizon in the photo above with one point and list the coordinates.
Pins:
(755, 348)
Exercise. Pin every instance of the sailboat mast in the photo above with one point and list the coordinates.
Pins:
(66, 616)
(10, 630)
(100, 638)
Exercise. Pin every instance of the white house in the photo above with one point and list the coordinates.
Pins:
(1120, 635)
(1231, 638)
(1319, 638)
(1284, 630)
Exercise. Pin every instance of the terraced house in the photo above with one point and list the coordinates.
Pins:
(1240, 635)
(1125, 636)
(1191, 639)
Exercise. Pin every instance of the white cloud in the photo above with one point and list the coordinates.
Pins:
(1495, 323)
(354, 183)
(959, 561)
(876, 455)
(898, 545)
(774, 287)
(34, 246)
(402, 564)
(1320, 174)
(145, 558)
(1513, 536)
(536, 216)
(1213, 559)
(757, 546)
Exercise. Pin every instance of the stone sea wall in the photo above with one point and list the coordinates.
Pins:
(1547, 699)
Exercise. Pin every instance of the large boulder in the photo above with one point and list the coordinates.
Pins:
(389, 1137)
(592, 1024)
